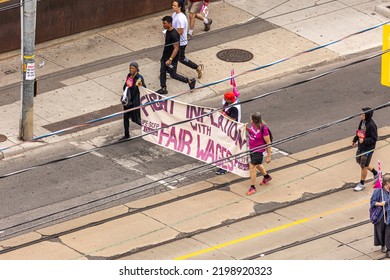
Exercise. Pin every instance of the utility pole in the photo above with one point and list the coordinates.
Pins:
(28, 23)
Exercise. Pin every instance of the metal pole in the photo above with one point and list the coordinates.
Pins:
(28, 23)
(21, 62)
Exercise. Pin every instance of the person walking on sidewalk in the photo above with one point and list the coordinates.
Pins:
(366, 137)
(233, 113)
(180, 23)
(380, 198)
(194, 7)
(131, 97)
(259, 141)
(170, 57)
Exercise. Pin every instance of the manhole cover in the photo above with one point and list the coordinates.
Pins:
(235, 55)
(3, 138)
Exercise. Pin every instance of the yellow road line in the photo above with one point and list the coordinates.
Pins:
(275, 229)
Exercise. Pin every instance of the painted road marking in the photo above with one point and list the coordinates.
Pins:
(276, 150)
(275, 229)
(159, 177)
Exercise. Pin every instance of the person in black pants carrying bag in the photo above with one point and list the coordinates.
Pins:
(131, 98)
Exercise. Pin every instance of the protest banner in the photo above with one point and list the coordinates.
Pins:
(208, 139)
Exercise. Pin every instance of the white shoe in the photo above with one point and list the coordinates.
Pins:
(359, 187)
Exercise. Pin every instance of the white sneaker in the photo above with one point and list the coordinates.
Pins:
(359, 187)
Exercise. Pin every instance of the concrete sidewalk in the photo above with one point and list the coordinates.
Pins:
(294, 26)
(139, 224)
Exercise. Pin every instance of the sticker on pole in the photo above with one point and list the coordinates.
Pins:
(30, 71)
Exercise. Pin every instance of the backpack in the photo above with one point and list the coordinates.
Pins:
(270, 133)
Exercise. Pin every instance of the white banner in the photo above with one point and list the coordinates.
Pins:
(207, 139)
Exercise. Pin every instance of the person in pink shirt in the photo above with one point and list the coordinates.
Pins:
(259, 141)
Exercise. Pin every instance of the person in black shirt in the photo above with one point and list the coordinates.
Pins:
(366, 137)
(233, 113)
(170, 57)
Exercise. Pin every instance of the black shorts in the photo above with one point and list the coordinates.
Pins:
(364, 159)
(256, 158)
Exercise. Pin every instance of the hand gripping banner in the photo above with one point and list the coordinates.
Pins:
(208, 139)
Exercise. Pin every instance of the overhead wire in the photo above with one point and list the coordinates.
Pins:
(15, 5)
(200, 87)
(122, 194)
(203, 115)
(11, 6)
(269, 93)
(284, 59)
(196, 170)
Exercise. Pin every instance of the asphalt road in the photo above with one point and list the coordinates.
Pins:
(327, 99)
(128, 170)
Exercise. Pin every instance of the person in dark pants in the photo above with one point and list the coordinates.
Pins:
(380, 198)
(366, 137)
(131, 98)
(233, 113)
(170, 57)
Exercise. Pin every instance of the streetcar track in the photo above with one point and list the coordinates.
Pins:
(124, 195)
(241, 239)
(221, 186)
(307, 240)
(271, 207)
(214, 187)
(179, 237)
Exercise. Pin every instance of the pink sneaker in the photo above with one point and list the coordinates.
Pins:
(265, 180)
(251, 191)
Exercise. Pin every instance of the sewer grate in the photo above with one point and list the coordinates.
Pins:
(3, 138)
(235, 55)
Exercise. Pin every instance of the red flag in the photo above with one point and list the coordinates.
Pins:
(378, 183)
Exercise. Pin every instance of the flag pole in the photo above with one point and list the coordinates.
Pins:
(379, 181)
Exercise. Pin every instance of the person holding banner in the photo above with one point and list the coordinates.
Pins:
(259, 141)
(233, 112)
(366, 137)
(380, 198)
(131, 98)
(170, 57)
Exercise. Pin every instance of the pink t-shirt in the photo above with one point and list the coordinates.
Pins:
(256, 138)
